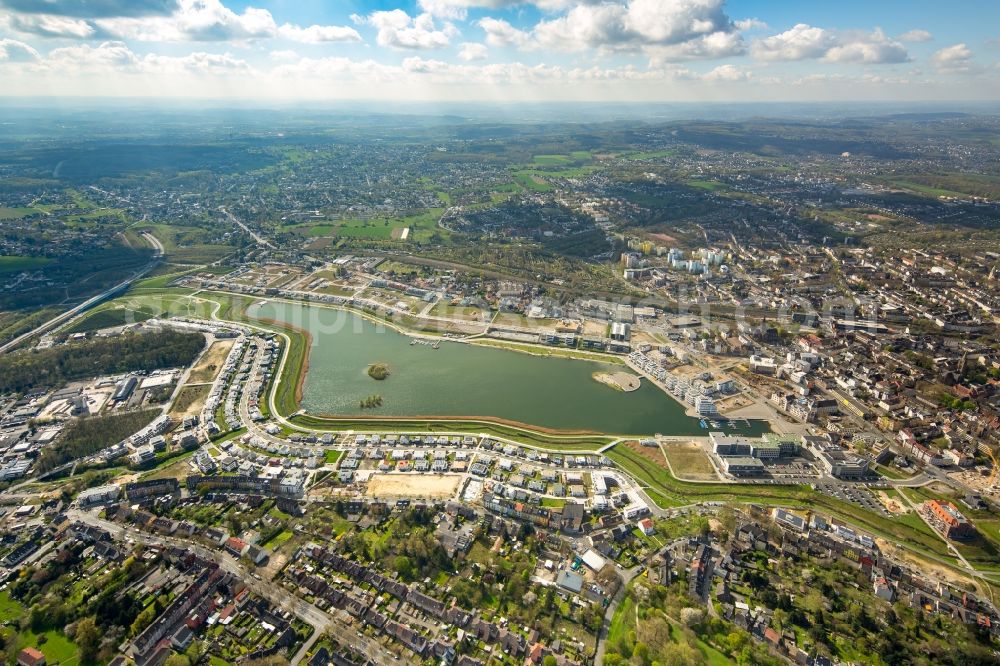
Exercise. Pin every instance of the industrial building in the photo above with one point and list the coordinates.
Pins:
(742, 466)
(836, 460)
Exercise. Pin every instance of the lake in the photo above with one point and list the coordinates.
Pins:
(466, 380)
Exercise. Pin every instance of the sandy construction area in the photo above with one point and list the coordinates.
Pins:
(431, 486)
(620, 381)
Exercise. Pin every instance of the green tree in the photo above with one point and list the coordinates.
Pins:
(404, 567)
(88, 637)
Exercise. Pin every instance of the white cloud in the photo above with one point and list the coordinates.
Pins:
(48, 25)
(319, 34)
(470, 51)
(502, 33)
(92, 59)
(116, 58)
(633, 24)
(874, 48)
(804, 42)
(458, 9)
(199, 63)
(727, 73)
(398, 30)
(13, 51)
(797, 43)
(195, 20)
(750, 24)
(954, 59)
(915, 36)
(709, 47)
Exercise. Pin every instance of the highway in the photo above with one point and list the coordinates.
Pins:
(89, 303)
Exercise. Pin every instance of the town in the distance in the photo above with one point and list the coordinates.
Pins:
(311, 388)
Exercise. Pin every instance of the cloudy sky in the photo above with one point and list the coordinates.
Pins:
(484, 50)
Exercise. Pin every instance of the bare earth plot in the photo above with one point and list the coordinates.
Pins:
(211, 362)
(190, 401)
(651, 453)
(689, 461)
(432, 486)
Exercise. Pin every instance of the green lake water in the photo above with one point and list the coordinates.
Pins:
(465, 380)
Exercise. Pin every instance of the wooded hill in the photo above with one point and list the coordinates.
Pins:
(130, 352)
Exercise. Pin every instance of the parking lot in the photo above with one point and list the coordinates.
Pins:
(858, 494)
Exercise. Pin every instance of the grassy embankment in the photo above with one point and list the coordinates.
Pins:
(668, 491)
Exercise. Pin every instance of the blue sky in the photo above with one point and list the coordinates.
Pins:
(482, 50)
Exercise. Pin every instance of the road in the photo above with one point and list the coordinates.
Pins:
(602, 640)
(319, 620)
(253, 234)
(90, 302)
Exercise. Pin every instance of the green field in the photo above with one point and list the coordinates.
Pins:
(552, 160)
(542, 440)
(54, 645)
(278, 539)
(110, 317)
(10, 610)
(17, 213)
(135, 307)
(321, 230)
(532, 180)
(186, 245)
(16, 264)
(708, 185)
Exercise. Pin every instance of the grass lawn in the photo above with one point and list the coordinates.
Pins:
(709, 185)
(552, 160)
(16, 264)
(931, 191)
(109, 317)
(892, 473)
(278, 539)
(10, 610)
(554, 441)
(369, 229)
(56, 647)
(17, 213)
(321, 230)
(531, 181)
(332, 456)
(622, 622)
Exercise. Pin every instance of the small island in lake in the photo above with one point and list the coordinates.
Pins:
(378, 371)
(620, 381)
(371, 402)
